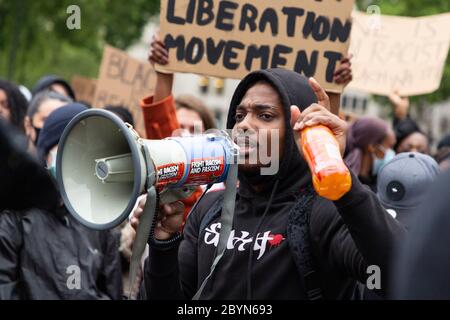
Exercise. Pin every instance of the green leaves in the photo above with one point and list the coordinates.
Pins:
(34, 38)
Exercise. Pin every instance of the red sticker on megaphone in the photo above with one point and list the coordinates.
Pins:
(205, 170)
(170, 174)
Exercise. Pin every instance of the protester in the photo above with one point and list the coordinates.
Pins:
(402, 187)
(13, 105)
(164, 116)
(403, 184)
(192, 115)
(369, 146)
(409, 136)
(47, 254)
(24, 183)
(443, 153)
(54, 83)
(342, 238)
(422, 268)
(41, 106)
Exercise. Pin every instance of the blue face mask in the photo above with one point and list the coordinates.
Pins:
(379, 163)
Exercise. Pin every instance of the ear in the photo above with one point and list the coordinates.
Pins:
(295, 114)
(29, 130)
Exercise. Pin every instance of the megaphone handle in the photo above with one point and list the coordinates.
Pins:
(143, 231)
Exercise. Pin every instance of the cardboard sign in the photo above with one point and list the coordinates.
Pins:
(84, 88)
(399, 53)
(229, 39)
(124, 81)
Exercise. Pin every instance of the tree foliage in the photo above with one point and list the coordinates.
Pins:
(34, 38)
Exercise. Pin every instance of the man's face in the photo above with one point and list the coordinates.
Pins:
(415, 142)
(259, 117)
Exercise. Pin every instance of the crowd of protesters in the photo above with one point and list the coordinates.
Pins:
(293, 245)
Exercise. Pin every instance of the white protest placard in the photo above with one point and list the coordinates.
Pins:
(398, 53)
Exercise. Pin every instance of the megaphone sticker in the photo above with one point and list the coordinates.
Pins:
(206, 170)
(169, 174)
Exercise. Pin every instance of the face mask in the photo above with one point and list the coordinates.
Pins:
(379, 163)
(52, 167)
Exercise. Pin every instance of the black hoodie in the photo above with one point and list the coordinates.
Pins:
(345, 237)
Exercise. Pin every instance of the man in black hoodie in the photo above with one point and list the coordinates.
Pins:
(287, 242)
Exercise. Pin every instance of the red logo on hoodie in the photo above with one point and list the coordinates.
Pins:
(276, 239)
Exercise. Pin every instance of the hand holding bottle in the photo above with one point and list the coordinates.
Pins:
(320, 137)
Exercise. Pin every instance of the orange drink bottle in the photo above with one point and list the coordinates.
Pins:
(331, 177)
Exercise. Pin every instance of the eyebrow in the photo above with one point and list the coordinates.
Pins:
(259, 106)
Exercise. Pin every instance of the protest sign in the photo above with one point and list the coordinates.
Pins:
(231, 38)
(124, 81)
(84, 89)
(398, 53)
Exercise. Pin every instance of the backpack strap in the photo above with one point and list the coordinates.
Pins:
(300, 243)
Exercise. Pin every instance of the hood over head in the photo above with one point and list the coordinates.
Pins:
(363, 132)
(294, 89)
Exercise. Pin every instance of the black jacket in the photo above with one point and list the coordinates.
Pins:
(344, 237)
(41, 254)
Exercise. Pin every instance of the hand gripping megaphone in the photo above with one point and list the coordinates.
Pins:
(103, 166)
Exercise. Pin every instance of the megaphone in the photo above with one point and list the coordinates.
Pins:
(103, 166)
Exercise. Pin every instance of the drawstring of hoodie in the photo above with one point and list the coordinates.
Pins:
(250, 256)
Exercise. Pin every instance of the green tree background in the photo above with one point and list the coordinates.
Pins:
(35, 41)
